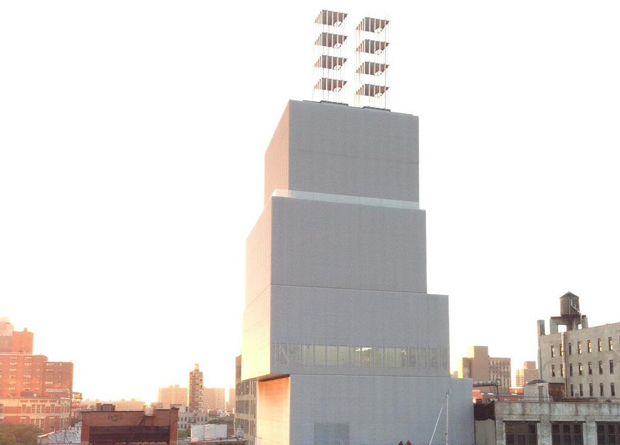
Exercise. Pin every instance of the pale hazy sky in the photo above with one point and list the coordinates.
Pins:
(132, 136)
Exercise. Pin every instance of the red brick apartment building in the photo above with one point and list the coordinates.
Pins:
(33, 390)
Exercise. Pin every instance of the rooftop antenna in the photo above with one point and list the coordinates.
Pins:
(329, 47)
(371, 61)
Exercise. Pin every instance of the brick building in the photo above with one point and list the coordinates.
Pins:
(12, 341)
(214, 399)
(22, 374)
(113, 427)
(48, 414)
(33, 390)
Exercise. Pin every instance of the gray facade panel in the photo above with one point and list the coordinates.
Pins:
(350, 151)
(366, 410)
(358, 317)
(348, 246)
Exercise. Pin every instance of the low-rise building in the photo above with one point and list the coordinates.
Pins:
(129, 427)
(47, 414)
(188, 418)
(546, 417)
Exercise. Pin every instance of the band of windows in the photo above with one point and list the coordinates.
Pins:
(285, 354)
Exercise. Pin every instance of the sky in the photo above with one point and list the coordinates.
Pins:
(132, 136)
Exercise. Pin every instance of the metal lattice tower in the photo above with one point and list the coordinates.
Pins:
(371, 62)
(329, 49)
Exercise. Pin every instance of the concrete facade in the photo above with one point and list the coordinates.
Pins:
(549, 417)
(586, 360)
(597, 363)
(339, 331)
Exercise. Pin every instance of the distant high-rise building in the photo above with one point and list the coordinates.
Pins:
(479, 367)
(230, 404)
(14, 342)
(214, 399)
(195, 390)
(528, 373)
(172, 395)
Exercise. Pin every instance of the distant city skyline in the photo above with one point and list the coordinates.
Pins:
(127, 189)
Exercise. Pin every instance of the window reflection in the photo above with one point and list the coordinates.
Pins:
(319, 356)
(332, 355)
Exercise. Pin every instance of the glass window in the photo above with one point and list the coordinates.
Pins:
(579, 348)
(610, 343)
(600, 345)
(356, 356)
(570, 369)
(390, 357)
(423, 357)
(319, 355)
(332, 356)
(570, 349)
(343, 356)
(561, 350)
(295, 355)
(613, 389)
(611, 366)
(566, 433)
(608, 433)
(377, 357)
(591, 390)
(521, 433)
(601, 388)
(600, 367)
(413, 357)
(580, 390)
(283, 354)
(552, 350)
(562, 369)
(402, 358)
(572, 390)
(366, 358)
(552, 370)
(589, 346)
(435, 357)
(308, 355)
